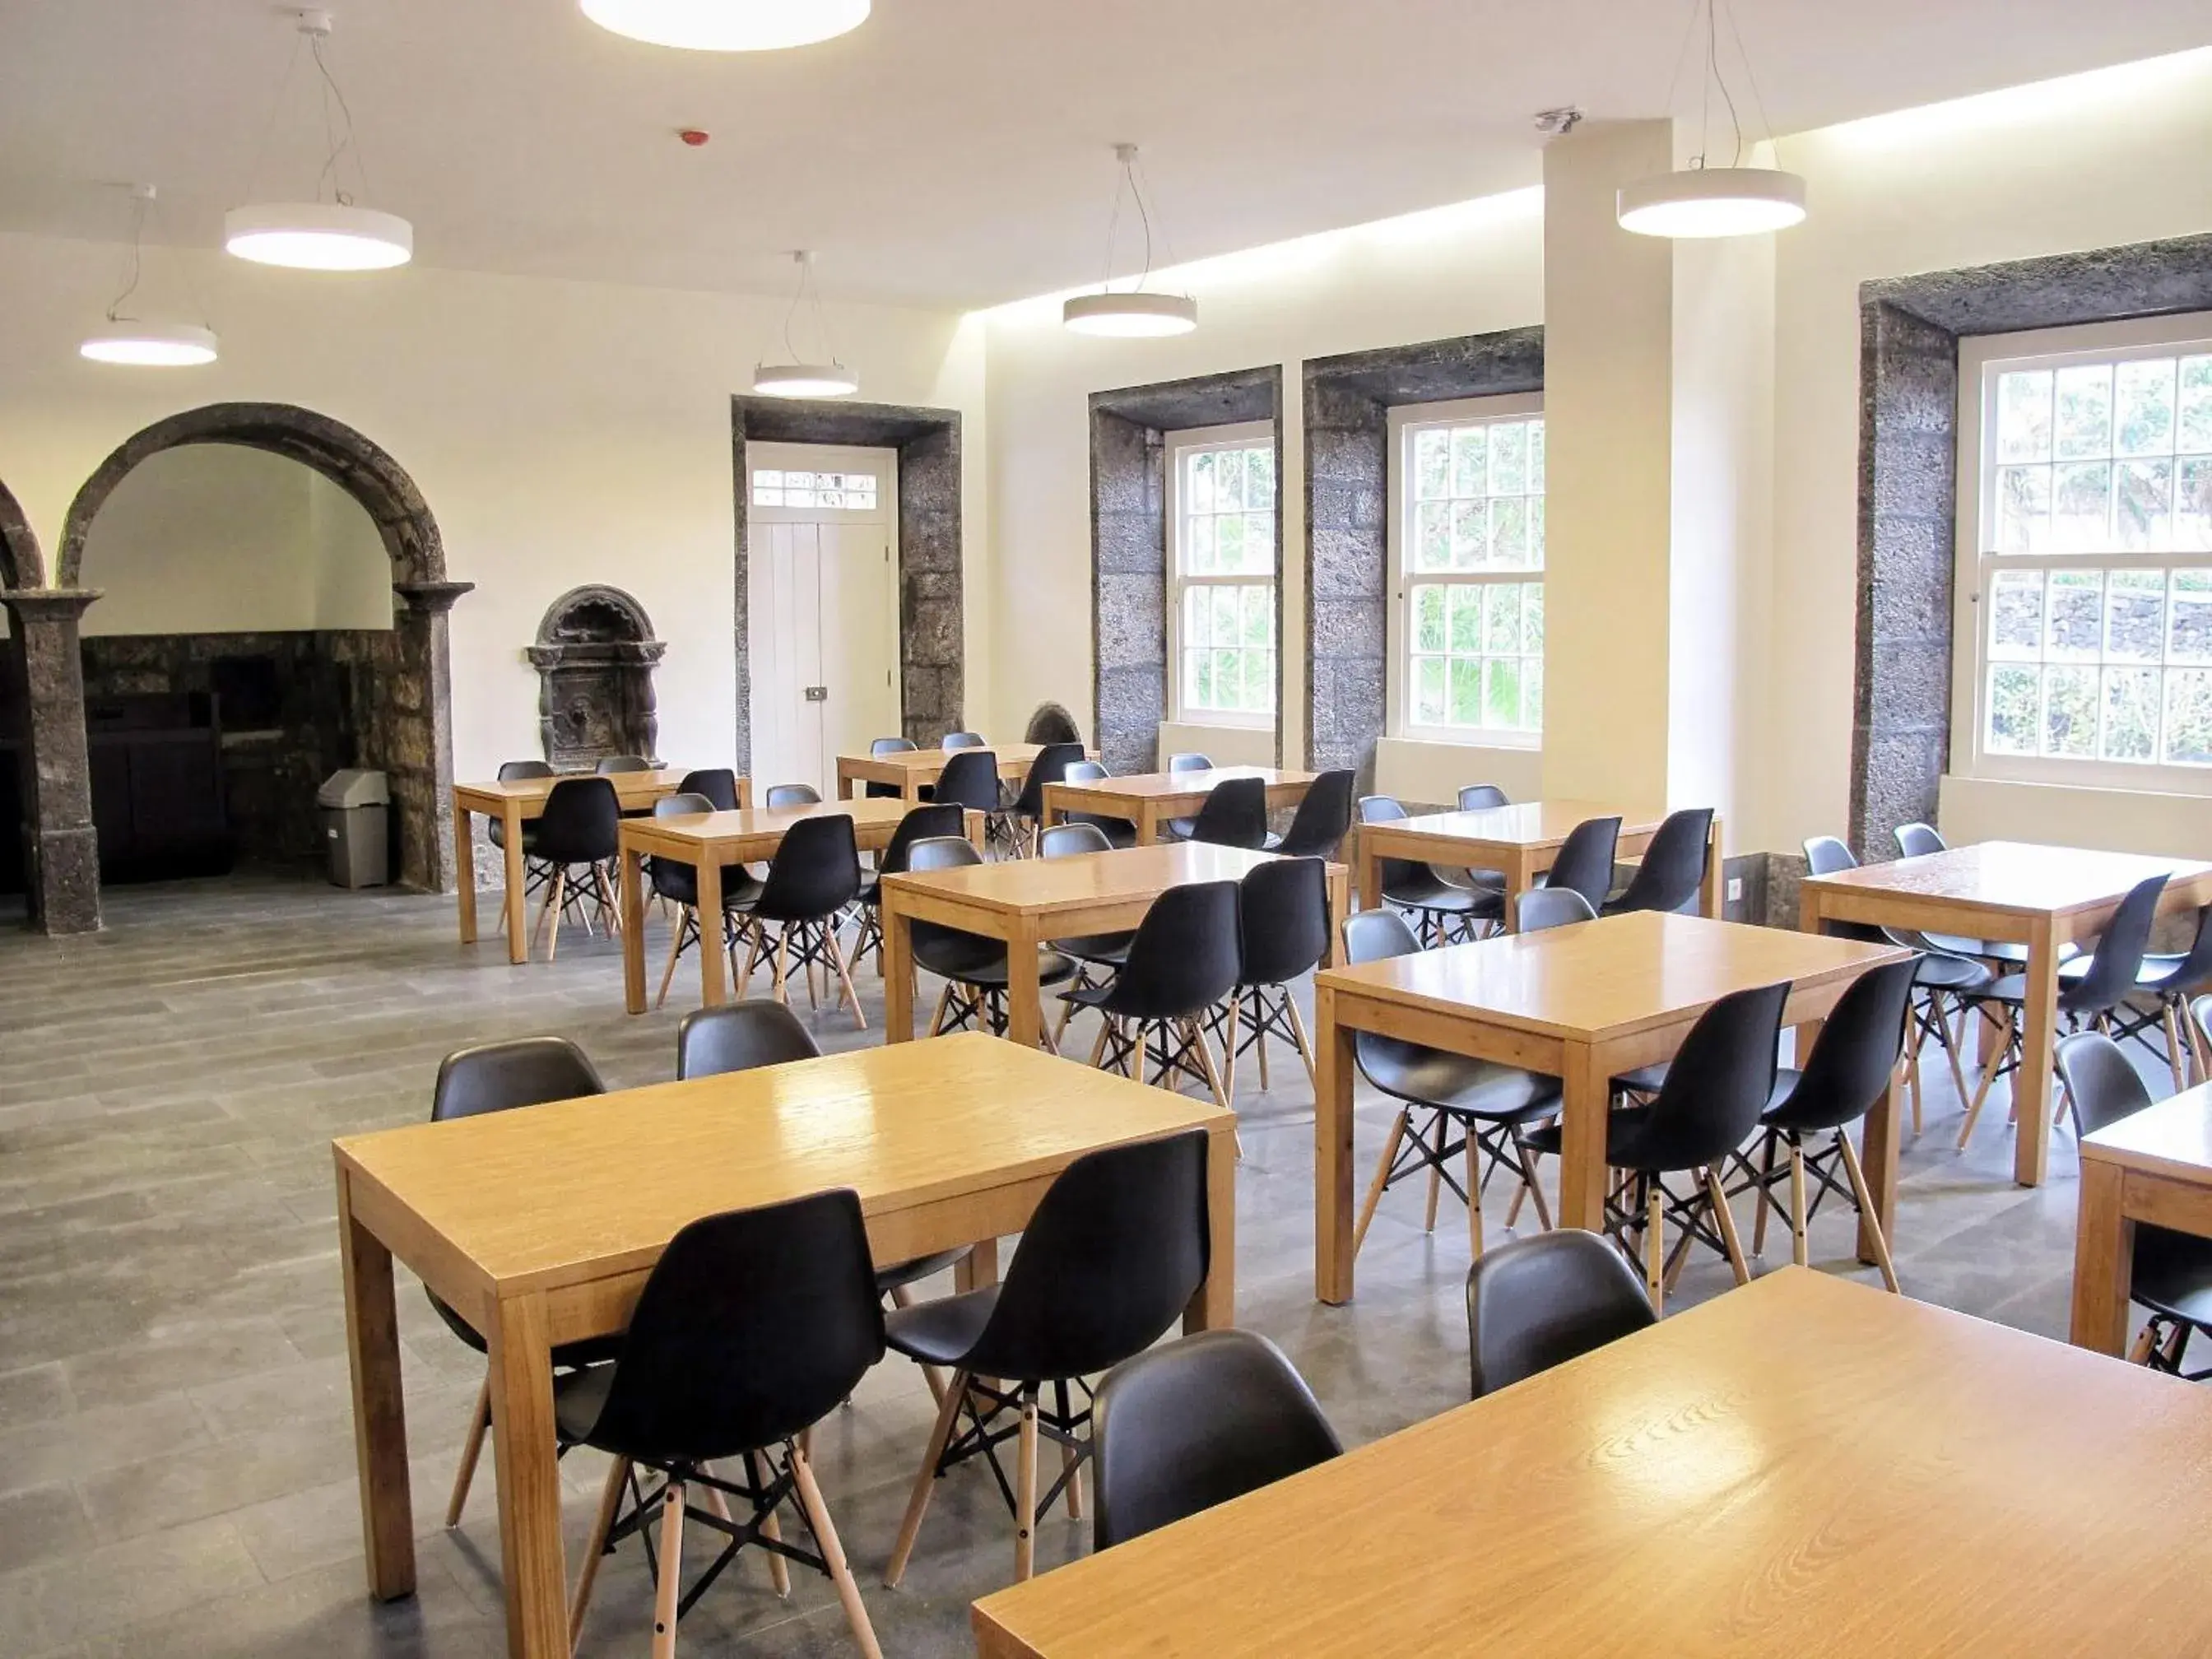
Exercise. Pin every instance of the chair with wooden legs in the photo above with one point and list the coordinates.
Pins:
(1118, 832)
(678, 882)
(497, 1077)
(1181, 962)
(778, 796)
(609, 765)
(1710, 1103)
(1235, 814)
(1014, 827)
(920, 824)
(964, 740)
(751, 1327)
(888, 747)
(1543, 907)
(718, 784)
(534, 874)
(741, 1035)
(1194, 1423)
(1672, 871)
(2163, 982)
(1322, 820)
(1585, 859)
(1537, 1302)
(1108, 1260)
(1451, 1106)
(1920, 840)
(1282, 912)
(970, 781)
(1097, 956)
(1442, 911)
(815, 874)
(2171, 1273)
(973, 967)
(1476, 798)
(1850, 1068)
(2087, 997)
(578, 831)
(1179, 829)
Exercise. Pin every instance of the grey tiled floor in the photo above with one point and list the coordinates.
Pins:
(175, 1449)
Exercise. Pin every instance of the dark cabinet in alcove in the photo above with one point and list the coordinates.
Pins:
(157, 788)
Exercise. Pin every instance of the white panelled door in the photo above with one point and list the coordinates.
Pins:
(825, 608)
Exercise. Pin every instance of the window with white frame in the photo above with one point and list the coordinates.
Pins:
(845, 491)
(1466, 624)
(1221, 587)
(2085, 546)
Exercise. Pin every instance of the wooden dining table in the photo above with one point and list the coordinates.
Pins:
(515, 802)
(1582, 1002)
(1803, 1467)
(540, 1226)
(1029, 901)
(708, 841)
(2015, 893)
(2151, 1167)
(910, 771)
(1148, 800)
(1520, 842)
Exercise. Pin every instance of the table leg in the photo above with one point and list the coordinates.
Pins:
(1521, 873)
(1214, 1307)
(2031, 1085)
(629, 893)
(1334, 1072)
(1711, 901)
(978, 1268)
(1339, 907)
(380, 1420)
(1879, 1138)
(517, 890)
(1148, 824)
(2104, 1260)
(1024, 996)
(1586, 1097)
(713, 991)
(529, 1480)
(1370, 872)
(911, 785)
(465, 851)
(898, 970)
(844, 782)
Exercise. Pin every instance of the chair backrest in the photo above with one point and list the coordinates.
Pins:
(2101, 1080)
(961, 740)
(673, 878)
(1194, 1423)
(890, 746)
(718, 784)
(2111, 974)
(1718, 1083)
(1050, 766)
(1538, 1302)
(623, 763)
(815, 872)
(2200, 1017)
(681, 803)
(1376, 935)
(1481, 797)
(581, 822)
(941, 853)
(1324, 813)
(1282, 909)
(1408, 876)
(739, 1036)
(1188, 762)
(1828, 855)
(1114, 1251)
(1674, 866)
(1183, 956)
(939, 818)
(1856, 1054)
(1585, 859)
(2196, 964)
(1918, 840)
(494, 1077)
(1064, 841)
(1551, 906)
(1233, 814)
(791, 795)
(970, 779)
(752, 1326)
(516, 771)
(1085, 770)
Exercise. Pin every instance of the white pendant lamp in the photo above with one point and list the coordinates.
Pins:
(829, 379)
(337, 234)
(1131, 313)
(1703, 201)
(135, 341)
(728, 25)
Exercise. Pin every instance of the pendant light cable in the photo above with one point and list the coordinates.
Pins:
(339, 147)
(140, 202)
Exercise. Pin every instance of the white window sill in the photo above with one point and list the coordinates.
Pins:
(1972, 808)
(1426, 769)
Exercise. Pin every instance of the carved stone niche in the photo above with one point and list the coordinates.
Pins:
(595, 655)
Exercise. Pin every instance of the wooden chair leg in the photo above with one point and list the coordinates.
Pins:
(781, 971)
(1950, 1044)
(1765, 1193)
(1530, 1188)
(1025, 1478)
(1436, 1188)
(833, 1556)
(917, 1501)
(1726, 1218)
(1655, 1247)
(1873, 1227)
(1206, 1061)
(552, 911)
(1234, 1027)
(1305, 1044)
(1382, 1173)
(845, 976)
(1800, 1249)
(2174, 1054)
(1259, 1037)
(2200, 1055)
(666, 1592)
(2145, 1341)
(1473, 1194)
(471, 1449)
(1913, 1080)
(778, 1569)
(1989, 1075)
(675, 950)
(595, 1547)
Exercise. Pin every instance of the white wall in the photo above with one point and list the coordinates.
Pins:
(562, 433)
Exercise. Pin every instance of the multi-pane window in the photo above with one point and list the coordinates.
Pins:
(1222, 599)
(852, 491)
(1468, 571)
(2091, 555)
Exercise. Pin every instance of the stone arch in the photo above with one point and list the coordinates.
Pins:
(595, 655)
(20, 565)
(404, 680)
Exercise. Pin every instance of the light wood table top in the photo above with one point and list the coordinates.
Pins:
(540, 1226)
(1804, 1466)
(2152, 1166)
(633, 789)
(2010, 878)
(909, 770)
(1525, 824)
(1148, 799)
(2171, 1138)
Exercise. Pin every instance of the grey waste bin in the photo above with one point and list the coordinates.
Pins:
(354, 807)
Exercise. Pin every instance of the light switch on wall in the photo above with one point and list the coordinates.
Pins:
(1735, 889)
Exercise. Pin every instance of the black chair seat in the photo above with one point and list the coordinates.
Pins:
(591, 1351)
(1118, 832)
(1455, 1083)
(941, 1331)
(1647, 1080)
(1432, 893)
(673, 878)
(1958, 974)
(1625, 1132)
(902, 1273)
(578, 1399)
(1100, 949)
(1994, 949)
(2173, 1274)
(974, 960)
(2155, 974)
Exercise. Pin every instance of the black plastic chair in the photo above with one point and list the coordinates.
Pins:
(1721, 1080)
(1916, 840)
(610, 764)
(1471, 1106)
(1542, 907)
(2163, 982)
(678, 882)
(1537, 1302)
(1324, 815)
(887, 746)
(1482, 797)
(2103, 982)
(1183, 960)
(970, 780)
(498, 1076)
(963, 740)
(780, 797)
(534, 874)
(973, 966)
(815, 874)
(1067, 841)
(752, 1326)
(1476, 798)
(1584, 860)
(1118, 832)
(1111, 1258)
(579, 831)
(1179, 829)
(1235, 815)
(1095, 956)
(1016, 824)
(1672, 869)
(1194, 1423)
(1843, 1079)
(1442, 911)
(2172, 1272)
(718, 784)
(920, 824)
(1282, 911)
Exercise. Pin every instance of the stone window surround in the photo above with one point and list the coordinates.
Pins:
(932, 580)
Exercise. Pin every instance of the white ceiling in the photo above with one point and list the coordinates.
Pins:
(948, 152)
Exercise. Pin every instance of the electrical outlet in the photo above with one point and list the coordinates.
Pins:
(1735, 889)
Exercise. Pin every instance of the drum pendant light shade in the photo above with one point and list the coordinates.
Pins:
(805, 381)
(1707, 202)
(1130, 315)
(728, 25)
(150, 345)
(318, 236)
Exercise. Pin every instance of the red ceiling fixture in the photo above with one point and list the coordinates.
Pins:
(693, 136)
